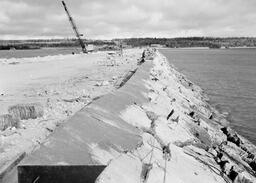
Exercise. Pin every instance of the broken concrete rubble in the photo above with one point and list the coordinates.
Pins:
(175, 147)
(199, 134)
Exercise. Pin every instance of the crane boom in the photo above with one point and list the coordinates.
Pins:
(74, 27)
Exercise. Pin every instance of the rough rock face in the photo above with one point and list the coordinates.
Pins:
(184, 139)
(7, 121)
(26, 111)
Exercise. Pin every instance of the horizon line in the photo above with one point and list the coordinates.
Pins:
(71, 38)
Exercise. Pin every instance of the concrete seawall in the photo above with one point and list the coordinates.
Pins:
(96, 124)
(158, 127)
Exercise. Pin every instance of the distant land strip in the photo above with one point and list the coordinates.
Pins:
(182, 42)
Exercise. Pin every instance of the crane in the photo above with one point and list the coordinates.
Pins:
(74, 27)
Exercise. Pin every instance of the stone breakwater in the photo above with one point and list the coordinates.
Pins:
(184, 139)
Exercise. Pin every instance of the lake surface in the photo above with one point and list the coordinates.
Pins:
(228, 76)
(37, 52)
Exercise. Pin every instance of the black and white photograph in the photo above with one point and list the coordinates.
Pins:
(127, 91)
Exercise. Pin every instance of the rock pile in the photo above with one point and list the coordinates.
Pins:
(177, 123)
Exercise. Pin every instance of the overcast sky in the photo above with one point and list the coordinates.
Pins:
(106, 19)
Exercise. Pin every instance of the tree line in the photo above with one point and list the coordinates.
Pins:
(210, 42)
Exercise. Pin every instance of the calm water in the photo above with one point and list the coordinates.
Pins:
(228, 77)
(37, 52)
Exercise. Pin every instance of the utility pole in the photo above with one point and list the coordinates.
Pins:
(74, 27)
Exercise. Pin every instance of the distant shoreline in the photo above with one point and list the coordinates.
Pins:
(205, 48)
(181, 42)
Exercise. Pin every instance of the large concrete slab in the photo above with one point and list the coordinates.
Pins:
(57, 174)
(98, 123)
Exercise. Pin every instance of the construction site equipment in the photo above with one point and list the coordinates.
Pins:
(74, 27)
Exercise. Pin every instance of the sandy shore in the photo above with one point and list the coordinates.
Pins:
(62, 85)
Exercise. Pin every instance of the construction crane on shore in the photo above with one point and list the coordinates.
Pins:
(74, 27)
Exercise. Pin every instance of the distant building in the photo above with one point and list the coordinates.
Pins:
(90, 47)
